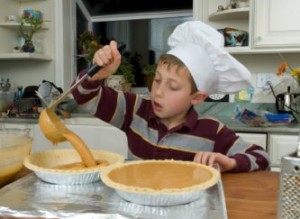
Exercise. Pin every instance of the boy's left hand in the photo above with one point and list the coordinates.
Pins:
(210, 158)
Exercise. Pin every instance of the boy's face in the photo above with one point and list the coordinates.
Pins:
(171, 94)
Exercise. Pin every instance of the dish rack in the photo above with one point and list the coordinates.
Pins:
(26, 107)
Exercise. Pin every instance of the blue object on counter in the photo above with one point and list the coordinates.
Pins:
(261, 117)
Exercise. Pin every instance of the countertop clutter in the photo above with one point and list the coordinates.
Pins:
(225, 112)
(222, 111)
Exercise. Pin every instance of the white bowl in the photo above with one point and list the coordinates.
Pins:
(44, 164)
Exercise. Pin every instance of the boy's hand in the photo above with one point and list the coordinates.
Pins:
(109, 58)
(210, 158)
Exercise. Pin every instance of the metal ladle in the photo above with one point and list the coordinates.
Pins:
(49, 122)
(56, 131)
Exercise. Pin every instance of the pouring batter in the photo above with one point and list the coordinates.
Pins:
(54, 129)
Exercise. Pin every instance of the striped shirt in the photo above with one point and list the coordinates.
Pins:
(148, 138)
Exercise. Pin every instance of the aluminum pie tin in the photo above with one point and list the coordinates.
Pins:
(164, 197)
(43, 164)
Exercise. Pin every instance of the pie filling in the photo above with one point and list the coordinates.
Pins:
(80, 165)
(160, 175)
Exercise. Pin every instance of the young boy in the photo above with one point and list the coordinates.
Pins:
(166, 126)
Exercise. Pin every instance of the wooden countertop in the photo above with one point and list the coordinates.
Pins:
(251, 195)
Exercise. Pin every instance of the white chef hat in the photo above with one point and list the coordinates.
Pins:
(201, 49)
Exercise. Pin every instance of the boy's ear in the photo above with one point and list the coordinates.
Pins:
(199, 97)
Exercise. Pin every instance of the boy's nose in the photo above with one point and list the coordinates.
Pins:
(159, 90)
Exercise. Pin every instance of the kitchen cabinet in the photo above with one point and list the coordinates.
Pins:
(255, 138)
(277, 145)
(281, 145)
(42, 39)
(233, 18)
(272, 24)
(276, 24)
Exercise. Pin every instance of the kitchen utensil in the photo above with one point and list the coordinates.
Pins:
(49, 122)
(298, 148)
(289, 205)
(289, 194)
(284, 101)
(15, 145)
(56, 131)
(64, 113)
(51, 126)
(6, 100)
(93, 70)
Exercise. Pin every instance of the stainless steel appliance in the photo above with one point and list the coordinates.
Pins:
(289, 197)
(284, 101)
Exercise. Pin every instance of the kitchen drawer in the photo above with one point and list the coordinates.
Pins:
(281, 145)
(255, 138)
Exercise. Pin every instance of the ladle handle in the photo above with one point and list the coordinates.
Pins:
(91, 71)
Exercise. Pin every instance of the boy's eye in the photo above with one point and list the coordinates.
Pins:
(156, 79)
(174, 88)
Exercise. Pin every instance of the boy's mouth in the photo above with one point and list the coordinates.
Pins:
(156, 106)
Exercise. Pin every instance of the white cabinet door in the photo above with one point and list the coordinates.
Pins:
(276, 23)
(281, 145)
(255, 138)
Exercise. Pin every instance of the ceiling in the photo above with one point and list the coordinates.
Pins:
(108, 7)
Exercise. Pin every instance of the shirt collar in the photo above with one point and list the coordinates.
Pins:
(191, 118)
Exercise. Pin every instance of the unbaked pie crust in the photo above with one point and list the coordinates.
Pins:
(51, 160)
(44, 164)
(160, 176)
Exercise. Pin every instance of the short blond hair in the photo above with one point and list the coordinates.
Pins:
(172, 61)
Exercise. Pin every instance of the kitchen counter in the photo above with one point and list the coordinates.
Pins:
(248, 195)
(292, 128)
(222, 111)
(237, 126)
(226, 111)
(251, 195)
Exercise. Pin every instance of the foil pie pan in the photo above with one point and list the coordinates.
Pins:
(44, 164)
(160, 197)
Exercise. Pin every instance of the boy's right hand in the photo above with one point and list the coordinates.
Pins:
(109, 58)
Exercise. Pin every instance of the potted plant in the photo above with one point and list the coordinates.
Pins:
(31, 21)
(127, 70)
(88, 44)
(149, 72)
(123, 78)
